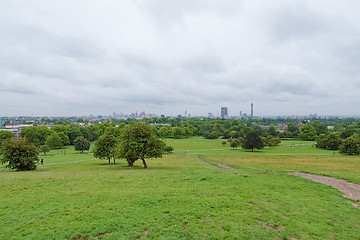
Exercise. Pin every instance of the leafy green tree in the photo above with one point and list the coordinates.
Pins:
(321, 141)
(64, 138)
(272, 131)
(59, 128)
(346, 133)
(36, 135)
(20, 155)
(235, 143)
(115, 131)
(85, 133)
(31, 133)
(271, 141)
(177, 132)
(5, 135)
(105, 147)
(307, 133)
(350, 146)
(213, 135)
(81, 144)
(169, 149)
(233, 134)
(285, 134)
(329, 142)
(253, 140)
(319, 127)
(54, 141)
(163, 132)
(292, 127)
(138, 141)
(74, 132)
(44, 149)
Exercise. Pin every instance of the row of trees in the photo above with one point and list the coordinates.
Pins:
(333, 141)
(208, 128)
(136, 141)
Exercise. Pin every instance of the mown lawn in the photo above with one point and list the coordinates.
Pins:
(200, 145)
(181, 196)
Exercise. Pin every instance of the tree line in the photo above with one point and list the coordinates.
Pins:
(111, 137)
(135, 141)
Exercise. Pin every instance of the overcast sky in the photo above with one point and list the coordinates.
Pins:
(82, 57)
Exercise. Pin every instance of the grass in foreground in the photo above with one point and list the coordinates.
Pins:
(178, 197)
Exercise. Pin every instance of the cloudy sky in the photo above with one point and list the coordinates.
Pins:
(81, 57)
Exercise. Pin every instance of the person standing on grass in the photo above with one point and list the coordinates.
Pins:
(42, 161)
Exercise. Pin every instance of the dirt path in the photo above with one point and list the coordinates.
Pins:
(350, 190)
(221, 165)
(216, 163)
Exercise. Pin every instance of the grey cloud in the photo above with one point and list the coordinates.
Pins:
(296, 23)
(164, 56)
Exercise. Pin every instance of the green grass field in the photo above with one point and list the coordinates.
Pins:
(182, 197)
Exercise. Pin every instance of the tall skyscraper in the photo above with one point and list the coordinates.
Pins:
(224, 112)
(252, 110)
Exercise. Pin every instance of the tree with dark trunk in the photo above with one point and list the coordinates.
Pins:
(105, 147)
(138, 141)
(253, 140)
(81, 144)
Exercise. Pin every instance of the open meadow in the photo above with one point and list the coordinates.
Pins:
(181, 196)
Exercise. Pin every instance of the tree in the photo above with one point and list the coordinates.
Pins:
(44, 149)
(20, 155)
(329, 142)
(138, 141)
(346, 133)
(272, 131)
(168, 149)
(164, 132)
(64, 138)
(307, 133)
(81, 144)
(177, 132)
(54, 141)
(271, 141)
(350, 146)
(292, 128)
(74, 132)
(31, 134)
(285, 134)
(5, 135)
(234, 143)
(36, 135)
(319, 127)
(253, 140)
(105, 147)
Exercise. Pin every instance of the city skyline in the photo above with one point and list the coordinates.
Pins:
(63, 58)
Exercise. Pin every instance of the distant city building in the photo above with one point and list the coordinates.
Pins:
(224, 112)
(210, 115)
(15, 129)
(252, 110)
